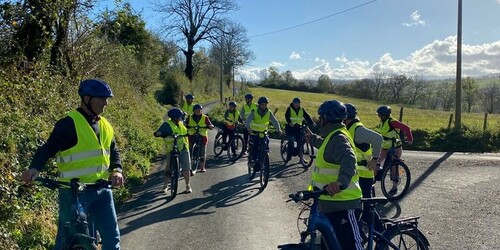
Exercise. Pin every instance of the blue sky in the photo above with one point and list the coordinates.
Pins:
(413, 37)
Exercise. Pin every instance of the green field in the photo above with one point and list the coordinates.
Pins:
(428, 120)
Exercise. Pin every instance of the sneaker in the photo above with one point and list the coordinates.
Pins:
(393, 191)
(165, 189)
(189, 189)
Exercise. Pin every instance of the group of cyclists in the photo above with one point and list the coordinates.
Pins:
(346, 163)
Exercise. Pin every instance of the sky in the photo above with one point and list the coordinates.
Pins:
(352, 39)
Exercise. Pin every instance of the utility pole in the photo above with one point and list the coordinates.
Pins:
(458, 93)
(221, 64)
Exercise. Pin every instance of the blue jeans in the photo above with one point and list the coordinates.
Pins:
(100, 209)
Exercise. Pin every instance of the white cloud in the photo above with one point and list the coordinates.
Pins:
(415, 20)
(498, 1)
(317, 59)
(295, 55)
(276, 64)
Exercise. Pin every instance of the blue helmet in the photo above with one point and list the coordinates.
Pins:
(384, 110)
(94, 88)
(296, 100)
(351, 111)
(332, 111)
(233, 103)
(175, 113)
(263, 99)
(189, 96)
(197, 106)
(249, 96)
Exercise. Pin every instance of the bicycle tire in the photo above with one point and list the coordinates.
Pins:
(195, 157)
(406, 238)
(284, 149)
(218, 143)
(174, 177)
(404, 176)
(306, 152)
(264, 171)
(82, 242)
(236, 148)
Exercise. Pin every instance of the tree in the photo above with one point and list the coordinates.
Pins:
(378, 83)
(446, 95)
(324, 83)
(194, 21)
(470, 90)
(490, 97)
(289, 79)
(417, 89)
(397, 85)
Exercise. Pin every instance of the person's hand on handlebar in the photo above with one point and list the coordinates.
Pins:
(116, 178)
(334, 187)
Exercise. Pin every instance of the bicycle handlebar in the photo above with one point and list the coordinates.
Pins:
(307, 195)
(73, 183)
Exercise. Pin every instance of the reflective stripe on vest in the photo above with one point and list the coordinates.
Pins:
(201, 123)
(232, 117)
(297, 117)
(324, 173)
(248, 109)
(388, 133)
(260, 123)
(360, 154)
(182, 142)
(89, 159)
(188, 108)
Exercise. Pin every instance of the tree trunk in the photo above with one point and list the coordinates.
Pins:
(188, 71)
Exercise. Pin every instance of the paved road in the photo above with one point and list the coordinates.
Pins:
(456, 194)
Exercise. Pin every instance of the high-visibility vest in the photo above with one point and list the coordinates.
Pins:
(297, 117)
(247, 109)
(188, 108)
(232, 118)
(89, 159)
(260, 123)
(182, 142)
(363, 152)
(201, 123)
(324, 173)
(388, 133)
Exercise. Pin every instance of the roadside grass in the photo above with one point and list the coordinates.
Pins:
(417, 119)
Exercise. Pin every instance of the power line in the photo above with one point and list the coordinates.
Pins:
(315, 20)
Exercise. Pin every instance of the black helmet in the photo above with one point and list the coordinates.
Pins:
(384, 110)
(189, 96)
(233, 103)
(197, 106)
(249, 96)
(263, 99)
(175, 113)
(94, 88)
(296, 100)
(351, 111)
(332, 111)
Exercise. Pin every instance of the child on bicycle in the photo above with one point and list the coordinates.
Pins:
(231, 119)
(203, 122)
(247, 108)
(175, 126)
(295, 116)
(258, 121)
(390, 128)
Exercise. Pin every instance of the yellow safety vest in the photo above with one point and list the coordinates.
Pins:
(360, 154)
(388, 133)
(324, 173)
(89, 159)
(248, 108)
(188, 108)
(233, 118)
(260, 123)
(201, 123)
(182, 142)
(297, 117)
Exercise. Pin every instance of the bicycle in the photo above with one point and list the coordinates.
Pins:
(236, 146)
(195, 148)
(174, 167)
(394, 173)
(80, 233)
(262, 159)
(399, 233)
(306, 150)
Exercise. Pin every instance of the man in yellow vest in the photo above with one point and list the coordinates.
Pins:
(258, 121)
(231, 118)
(170, 127)
(203, 122)
(187, 105)
(368, 145)
(245, 112)
(335, 169)
(295, 116)
(84, 145)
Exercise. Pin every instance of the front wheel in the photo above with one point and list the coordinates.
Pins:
(82, 242)
(236, 148)
(264, 171)
(306, 155)
(218, 144)
(284, 149)
(174, 177)
(395, 180)
(195, 157)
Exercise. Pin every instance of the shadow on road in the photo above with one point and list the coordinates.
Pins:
(281, 170)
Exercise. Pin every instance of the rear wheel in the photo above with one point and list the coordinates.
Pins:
(195, 157)
(306, 155)
(82, 242)
(236, 148)
(174, 177)
(284, 149)
(411, 239)
(264, 171)
(218, 145)
(395, 180)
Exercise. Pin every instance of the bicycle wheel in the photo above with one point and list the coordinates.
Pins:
(195, 157)
(284, 149)
(264, 171)
(236, 148)
(410, 238)
(218, 145)
(82, 242)
(395, 180)
(306, 155)
(174, 177)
